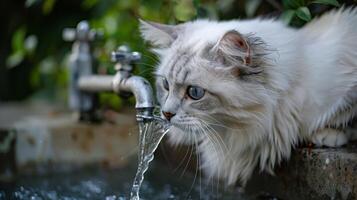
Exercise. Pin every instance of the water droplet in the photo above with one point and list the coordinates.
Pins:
(113, 197)
(327, 161)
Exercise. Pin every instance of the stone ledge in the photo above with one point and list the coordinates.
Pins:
(51, 139)
(323, 173)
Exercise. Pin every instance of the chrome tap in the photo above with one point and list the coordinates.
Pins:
(123, 83)
(80, 64)
(84, 85)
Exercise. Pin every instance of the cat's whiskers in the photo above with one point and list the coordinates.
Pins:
(202, 131)
(198, 166)
(227, 149)
(218, 138)
(152, 58)
(213, 144)
(151, 66)
(215, 180)
(218, 123)
(190, 128)
(213, 138)
(190, 148)
(187, 128)
(148, 69)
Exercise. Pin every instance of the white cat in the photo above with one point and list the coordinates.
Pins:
(246, 92)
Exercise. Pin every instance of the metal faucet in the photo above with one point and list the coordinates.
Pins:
(123, 82)
(84, 83)
(80, 64)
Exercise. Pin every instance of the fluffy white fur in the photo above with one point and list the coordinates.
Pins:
(304, 87)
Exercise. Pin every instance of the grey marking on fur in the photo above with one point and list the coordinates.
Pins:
(179, 66)
(183, 80)
(178, 58)
(182, 67)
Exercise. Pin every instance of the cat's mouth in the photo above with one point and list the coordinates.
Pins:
(185, 134)
(187, 125)
(190, 128)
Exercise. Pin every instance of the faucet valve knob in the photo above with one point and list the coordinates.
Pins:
(125, 56)
(82, 32)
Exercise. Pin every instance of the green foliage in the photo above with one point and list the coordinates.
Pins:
(18, 48)
(299, 10)
(43, 48)
(287, 16)
(185, 10)
(327, 2)
(251, 7)
(22, 46)
(111, 100)
(303, 13)
(48, 6)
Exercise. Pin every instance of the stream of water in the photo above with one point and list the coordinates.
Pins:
(150, 134)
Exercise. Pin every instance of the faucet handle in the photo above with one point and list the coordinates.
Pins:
(124, 55)
(82, 33)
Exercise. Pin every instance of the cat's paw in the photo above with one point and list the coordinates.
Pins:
(330, 138)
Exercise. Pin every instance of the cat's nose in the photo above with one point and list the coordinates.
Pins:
(168, 115)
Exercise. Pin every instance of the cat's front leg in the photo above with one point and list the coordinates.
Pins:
(329, 137)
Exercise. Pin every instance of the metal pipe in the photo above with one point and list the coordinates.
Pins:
(96, 83)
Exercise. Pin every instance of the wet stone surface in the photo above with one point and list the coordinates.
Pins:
(93, 183)
(318, 173)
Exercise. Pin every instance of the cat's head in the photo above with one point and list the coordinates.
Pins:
(210, 78)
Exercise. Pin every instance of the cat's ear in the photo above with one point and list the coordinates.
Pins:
(160, 35)
(235, 46)
(247, 53)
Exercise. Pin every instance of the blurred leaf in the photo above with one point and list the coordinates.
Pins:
(111, 100)
(48, 6)
(226, 5)
(196, 3)
(35, 77)
(110, 24)
(251, 7)
(303, 13)
(31, 43)
(151, 4)
(127, 4)
(287, 16)
(30, 3)
(18, 49)
(211, 11)
(293, 3)
(327, 2)
(48, 65)
(89, 3)
(15, 59)
(62, 77)
(202, 12)
(185, 10)
(18, 40)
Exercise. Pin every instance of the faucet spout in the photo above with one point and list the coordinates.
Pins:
(119, 83)
(142, 92)
(140, 88)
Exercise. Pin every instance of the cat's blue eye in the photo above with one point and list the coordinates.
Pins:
(195, 92)
(165, 84)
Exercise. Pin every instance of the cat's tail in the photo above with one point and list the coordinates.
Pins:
(332, 39)
(330, 55)
(337, 25)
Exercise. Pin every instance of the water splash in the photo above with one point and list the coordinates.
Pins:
(150, 134)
